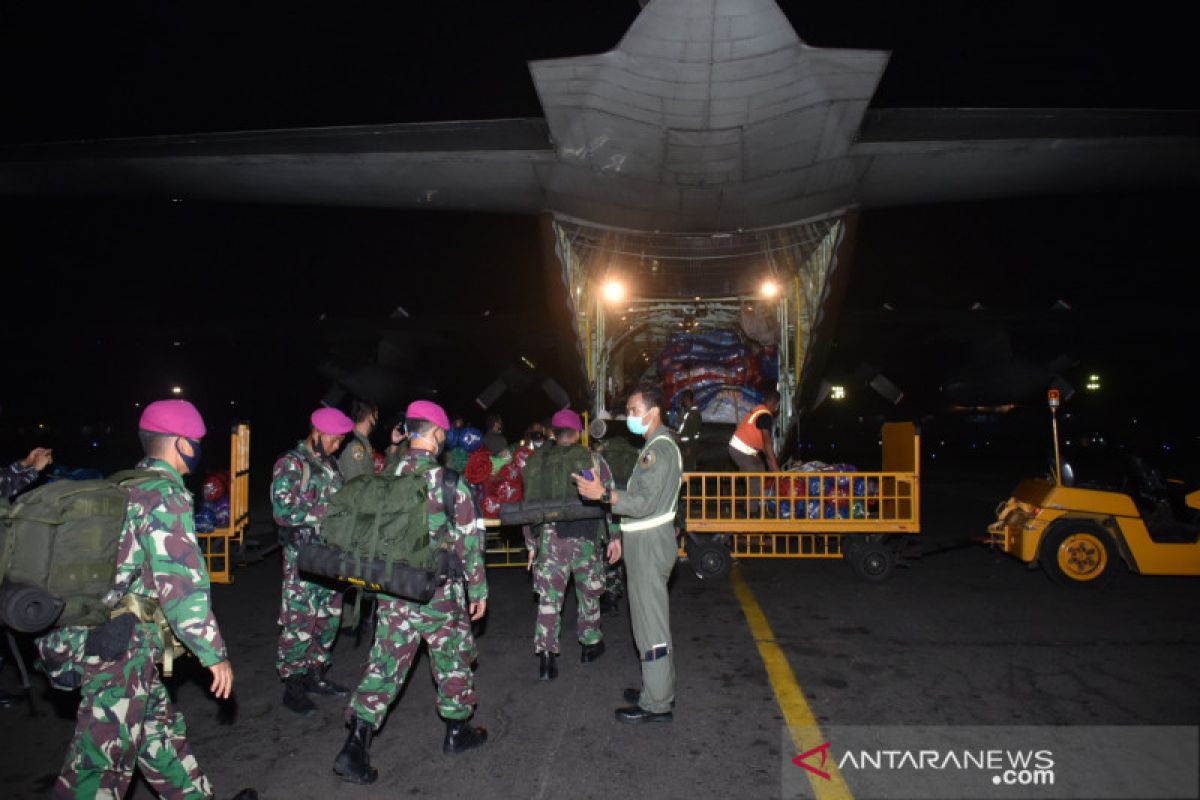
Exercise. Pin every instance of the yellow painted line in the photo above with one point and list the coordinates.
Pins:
(802, 725)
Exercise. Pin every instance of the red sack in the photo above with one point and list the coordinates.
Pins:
(479, 467)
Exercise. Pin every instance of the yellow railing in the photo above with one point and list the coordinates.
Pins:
(801, 502)
(218, 544)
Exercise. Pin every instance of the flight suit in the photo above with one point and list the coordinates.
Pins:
(301, 485)
(125, 718)
(647, 509)
(443, 622)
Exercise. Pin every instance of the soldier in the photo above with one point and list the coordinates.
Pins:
(19, 474)
(358, 457)
(15, 478)
(621, 457)
(125, 718)
(647, 509)
(302, 482)
(566, 549)
(689, 428)
(442, 622)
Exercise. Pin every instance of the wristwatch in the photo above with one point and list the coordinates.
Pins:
(606, 497)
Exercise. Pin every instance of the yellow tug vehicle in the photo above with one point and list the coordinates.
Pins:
(1079, 536)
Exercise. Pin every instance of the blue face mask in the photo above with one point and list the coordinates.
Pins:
(636, 426)
(192, 462)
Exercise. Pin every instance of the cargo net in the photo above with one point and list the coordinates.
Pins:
(692, 319)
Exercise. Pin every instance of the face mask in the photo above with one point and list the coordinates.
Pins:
(192, 462)
(636, 426)
(438, 447)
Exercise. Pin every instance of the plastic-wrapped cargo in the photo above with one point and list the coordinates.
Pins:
(727, 404)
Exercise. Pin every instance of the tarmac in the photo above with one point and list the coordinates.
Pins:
(964, 636)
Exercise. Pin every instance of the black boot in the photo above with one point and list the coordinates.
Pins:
(461, 736)
(591, 652)
(353, 764)
(634, 694)
(294, 696)
(246, 794)
(548, 666)
(319, 684)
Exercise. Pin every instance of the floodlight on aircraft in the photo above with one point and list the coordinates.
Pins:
(613, 291)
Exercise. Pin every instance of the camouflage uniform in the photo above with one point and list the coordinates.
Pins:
(357, 458)
(559, 558)
(621, 456)
(309, 612)
(442, 622)
(125, 716)
(14, 478)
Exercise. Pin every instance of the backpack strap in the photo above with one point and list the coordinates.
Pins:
(449, 493)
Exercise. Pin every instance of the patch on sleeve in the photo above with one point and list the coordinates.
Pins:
(648, 460)
(358, 453)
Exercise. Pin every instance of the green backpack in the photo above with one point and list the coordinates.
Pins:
(547, 476)
(376, 535)
(58, 552)
(547, 473)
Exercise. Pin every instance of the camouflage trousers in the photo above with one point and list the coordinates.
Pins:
(309, 614)
(126, 720)
(614, 574)
(445, 628)
(560, 558)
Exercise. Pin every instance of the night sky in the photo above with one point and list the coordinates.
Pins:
(98, 293)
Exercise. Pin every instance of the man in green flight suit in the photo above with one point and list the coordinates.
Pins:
(125, 718)
(358, 457)
(647, 508)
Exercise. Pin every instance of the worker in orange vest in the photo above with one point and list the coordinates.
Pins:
(753, 442)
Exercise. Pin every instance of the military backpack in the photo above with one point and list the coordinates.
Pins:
(58, 552)
(376, 535)
(548, 476)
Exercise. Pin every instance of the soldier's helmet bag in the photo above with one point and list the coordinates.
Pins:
(58, 552)
(376, 534)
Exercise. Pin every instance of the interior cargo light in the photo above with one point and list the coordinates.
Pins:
(837, 392)
(613, 291)
(769, 289)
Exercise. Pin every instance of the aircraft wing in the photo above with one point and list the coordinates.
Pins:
(915, 156)
(479, 165)
(899, 157)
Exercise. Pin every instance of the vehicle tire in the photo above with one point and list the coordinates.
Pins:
(1078, 553)
(873, 560)
(708, 557)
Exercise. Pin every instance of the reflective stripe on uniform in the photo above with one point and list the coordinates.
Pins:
(666, 516)
(647, 524)
(742, 447)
